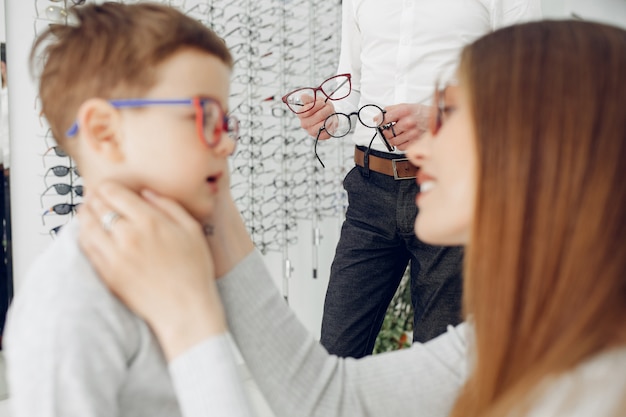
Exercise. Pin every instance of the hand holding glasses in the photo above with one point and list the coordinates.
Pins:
(338, 125)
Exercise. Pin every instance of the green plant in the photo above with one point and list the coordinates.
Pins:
(398, 323)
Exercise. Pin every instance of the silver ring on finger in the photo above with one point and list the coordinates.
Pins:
(108, 219)
(388, 126)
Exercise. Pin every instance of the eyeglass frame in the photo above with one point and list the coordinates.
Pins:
(71, 208)
(349, 117)
(76, 189)
(439, 110)
(64, 167)
(197, 102)
(319, 88)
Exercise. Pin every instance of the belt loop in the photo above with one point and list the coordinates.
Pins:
(366, 163)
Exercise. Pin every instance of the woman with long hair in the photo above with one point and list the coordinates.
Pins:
(523, 164)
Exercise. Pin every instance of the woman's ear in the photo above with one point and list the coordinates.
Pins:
(100, 128)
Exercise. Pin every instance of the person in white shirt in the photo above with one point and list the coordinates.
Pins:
(394, 53)
(522, 162)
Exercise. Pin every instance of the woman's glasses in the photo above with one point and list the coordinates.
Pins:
(440, 111)
(338, 125)
(211, 121)
(303, 99)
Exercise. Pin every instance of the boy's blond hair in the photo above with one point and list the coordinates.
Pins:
(112, 51)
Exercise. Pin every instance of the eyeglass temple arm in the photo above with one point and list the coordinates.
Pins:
(336, 89)
(317, 139)
(126, 103)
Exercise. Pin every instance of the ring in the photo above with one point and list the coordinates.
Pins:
(108, 219)
(390, 125)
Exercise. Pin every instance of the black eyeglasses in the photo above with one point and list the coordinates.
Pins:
(62, 171)
(211, 121)
(61, 209)
(338, 125)
(333, 88)
(63, 189)
(56, 150)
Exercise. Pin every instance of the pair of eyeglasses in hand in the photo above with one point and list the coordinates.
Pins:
(338, 125)
(333, 88)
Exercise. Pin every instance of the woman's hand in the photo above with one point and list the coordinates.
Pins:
(156, 259)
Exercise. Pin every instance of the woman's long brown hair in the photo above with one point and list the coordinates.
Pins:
(546, 264)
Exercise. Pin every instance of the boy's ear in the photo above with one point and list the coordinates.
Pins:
(100, 128)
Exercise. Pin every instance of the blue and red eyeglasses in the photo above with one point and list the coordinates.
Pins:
(211, 121)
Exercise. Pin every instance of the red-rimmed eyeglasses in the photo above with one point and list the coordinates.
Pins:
(211, 121)
(333, 88)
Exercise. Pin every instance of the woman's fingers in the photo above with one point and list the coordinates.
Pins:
(99, 254)
(123, 201)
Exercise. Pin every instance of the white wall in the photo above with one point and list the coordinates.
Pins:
(3, 36)
(553, 8)
(25, 127)
(606, 11)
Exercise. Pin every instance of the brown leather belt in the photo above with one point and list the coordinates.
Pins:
(399, 169)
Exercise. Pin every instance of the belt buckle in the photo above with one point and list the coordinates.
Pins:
(395, 169)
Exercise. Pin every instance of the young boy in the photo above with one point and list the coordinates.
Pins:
(135, 94)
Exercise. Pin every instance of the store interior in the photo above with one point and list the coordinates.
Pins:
(292, 207)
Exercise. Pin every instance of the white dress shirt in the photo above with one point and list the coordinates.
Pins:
(396, 50)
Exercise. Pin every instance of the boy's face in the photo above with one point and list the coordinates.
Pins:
(162, 149)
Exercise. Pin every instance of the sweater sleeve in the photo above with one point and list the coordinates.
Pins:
(299, 378)
(207, 382)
